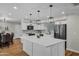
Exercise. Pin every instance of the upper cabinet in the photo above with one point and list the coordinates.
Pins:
(24, 26)
(39, 27)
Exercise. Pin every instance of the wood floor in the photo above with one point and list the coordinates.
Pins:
(71, 53)
(13, 50)
(16, 50)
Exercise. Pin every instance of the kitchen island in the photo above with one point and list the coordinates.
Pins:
(43, 46)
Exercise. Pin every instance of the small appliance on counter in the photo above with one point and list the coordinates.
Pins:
(31, 34)
(40, 35)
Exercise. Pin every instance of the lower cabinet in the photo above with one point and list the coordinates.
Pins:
(58, 49)
(53, 50)
(34, 49)
(39, 50)
(27, 47)
(61, 49)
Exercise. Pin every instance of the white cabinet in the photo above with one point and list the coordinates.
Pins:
(34, 49)
(39, 50)
(36, 26)
(58, 49)
(61, 49)
(43, 47)
(54, 50)
(27, 46)
(39, 27)
(24, 26)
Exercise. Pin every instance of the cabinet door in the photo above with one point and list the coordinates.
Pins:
(61, 49)
(27, 47)
(54, 50)
(39, 27)
(39, 50)
(24, 26)
(58, 49)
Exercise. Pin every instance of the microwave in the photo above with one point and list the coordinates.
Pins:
(30, 27)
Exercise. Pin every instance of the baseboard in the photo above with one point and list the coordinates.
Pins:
(73, 50)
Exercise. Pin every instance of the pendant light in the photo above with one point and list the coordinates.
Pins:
(38, 20)
(30, 18)
(51, 19)
(38, 13)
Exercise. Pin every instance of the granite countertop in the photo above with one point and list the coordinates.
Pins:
(46, 40)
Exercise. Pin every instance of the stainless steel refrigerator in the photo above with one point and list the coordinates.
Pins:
(60, 32)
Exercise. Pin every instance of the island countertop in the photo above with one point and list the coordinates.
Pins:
(46, 40)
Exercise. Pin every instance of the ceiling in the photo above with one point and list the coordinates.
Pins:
(14, 12)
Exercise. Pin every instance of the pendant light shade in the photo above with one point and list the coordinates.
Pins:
(30, 18)
(50, 5)
(50, 11)
(51, 19)
(38, 11)
(38, 20)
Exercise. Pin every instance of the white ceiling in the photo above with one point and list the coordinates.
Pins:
(24, 9)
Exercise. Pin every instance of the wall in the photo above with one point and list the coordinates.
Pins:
(73, 32)
(13, 27)
(18, 31)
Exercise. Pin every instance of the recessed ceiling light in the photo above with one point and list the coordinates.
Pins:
(63, 12)
(15, 7)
